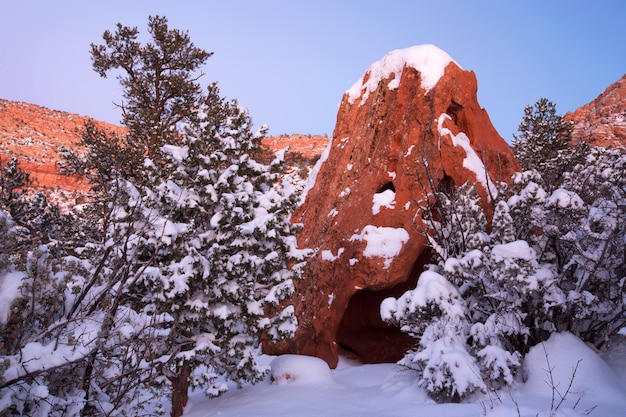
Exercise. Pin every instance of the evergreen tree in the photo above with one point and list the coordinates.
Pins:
(543, 143)
(184, 257)
(159, 80)
(223, 243)
(203, 228)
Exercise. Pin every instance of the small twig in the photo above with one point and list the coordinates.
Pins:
(590, 410)
(519, 413)
(569, 386)
(554, 386)
(548, 371)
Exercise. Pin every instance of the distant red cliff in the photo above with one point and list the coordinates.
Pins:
(35, 135)
(602, 122)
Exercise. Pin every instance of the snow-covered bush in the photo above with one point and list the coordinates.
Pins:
(493, 279)
(579, 230)
(436, 313)
(550, 261)
(41, 349)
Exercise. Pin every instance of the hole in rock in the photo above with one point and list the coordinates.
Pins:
(385, 187)
(362, 333)
(446, 185)
(455, 111)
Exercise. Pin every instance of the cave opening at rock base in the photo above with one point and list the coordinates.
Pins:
(363, 335)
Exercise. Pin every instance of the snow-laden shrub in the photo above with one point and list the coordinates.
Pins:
(551, 261)
(469, 316)
(436, 313)
(579, 230)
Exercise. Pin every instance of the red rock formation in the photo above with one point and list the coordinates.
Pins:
(36, 134)
(413, 118)
(309, 147)
(602, 122)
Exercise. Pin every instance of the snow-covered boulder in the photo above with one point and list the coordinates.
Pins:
(299, 369)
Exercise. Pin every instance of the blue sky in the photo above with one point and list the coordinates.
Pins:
(289, 62)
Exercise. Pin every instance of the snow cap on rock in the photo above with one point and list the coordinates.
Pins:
(429, 60)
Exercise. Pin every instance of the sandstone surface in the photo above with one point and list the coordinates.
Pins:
(602, 122)
(35, 135)
(307, 147)
(413, 121)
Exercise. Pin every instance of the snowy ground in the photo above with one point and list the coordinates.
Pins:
(305, 387)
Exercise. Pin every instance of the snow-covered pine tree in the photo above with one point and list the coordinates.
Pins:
(209, 224)
(226, 250)
(543, 143)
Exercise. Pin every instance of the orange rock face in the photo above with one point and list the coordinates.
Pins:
(35, 135)
(309, 147)
(411, 123)
(603, 121)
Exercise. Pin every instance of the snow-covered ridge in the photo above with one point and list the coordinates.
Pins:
(428, 59)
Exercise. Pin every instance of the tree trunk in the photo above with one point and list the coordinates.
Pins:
(180, 391)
